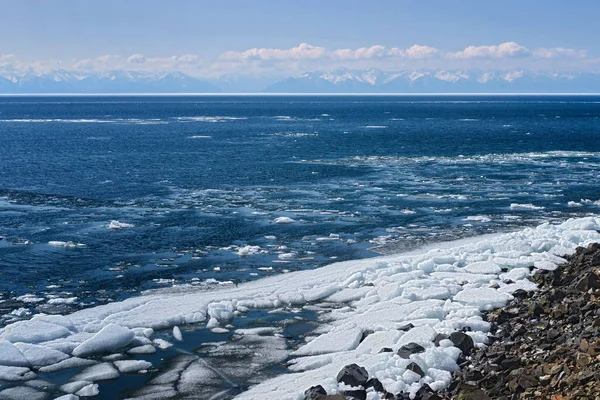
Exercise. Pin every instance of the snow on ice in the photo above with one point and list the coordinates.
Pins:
(433, 290)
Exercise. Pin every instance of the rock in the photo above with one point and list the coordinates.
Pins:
(375, 384)
(360, 394)
(467, 392)
(425, 393)
(462, 341)
(583, 360)
(589, 281)
(353, 375)
(365, 333)
(315, 393)
(410, 348)
(438, 338)
(414, 367)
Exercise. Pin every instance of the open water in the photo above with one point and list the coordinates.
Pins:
(102, 197)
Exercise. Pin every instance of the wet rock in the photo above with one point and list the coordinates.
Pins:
(408, 349)
(414, 367)
(355, 394)
(589, 281)
(462, 341)
(438, 338)
(375, 384)
(406, 327)
(353, 375)
(315, 393)
(364, 335)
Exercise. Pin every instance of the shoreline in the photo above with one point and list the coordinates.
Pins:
(544, 344)
(432, 289)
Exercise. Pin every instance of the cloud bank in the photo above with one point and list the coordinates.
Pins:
(306, 57)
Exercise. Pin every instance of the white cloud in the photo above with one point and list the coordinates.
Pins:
(302, 51)
(503, 50)
(560, 52)
(293, 61)
(136, 59)
(419, 52)
(308, 52)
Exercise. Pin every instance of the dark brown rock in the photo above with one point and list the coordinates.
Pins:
(463, 341)
(414, 367)
(353, 375)
(315, 393)
(408, 349)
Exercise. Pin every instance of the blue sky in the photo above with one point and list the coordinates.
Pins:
(207, 38)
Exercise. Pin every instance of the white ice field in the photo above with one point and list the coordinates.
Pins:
(438, 289)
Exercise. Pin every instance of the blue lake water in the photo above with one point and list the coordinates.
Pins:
(192, 186)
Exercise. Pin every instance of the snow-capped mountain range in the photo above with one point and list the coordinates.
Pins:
(337, 81)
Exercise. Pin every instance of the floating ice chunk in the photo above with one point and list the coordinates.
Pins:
(478, 218)
(516, 206)
(22, 393)
(62, 300)
(57, 320)
(162, 344)
(39, 356)
(115, 225)
(177, 333)
(73, 362)
(284, 220)
(145, 349)
(109, 338)
(287, 256)
(248, 250)
(30, 298)
(15, 373)
(33, 331)
(484, 298)
(340, 338)
(574, 204)
(99, 372)
(89, 391)
(73, 387)
(68, 397)
(219, 330)
(66, 245)
(128, 366)
(11, 356)
(20, 312)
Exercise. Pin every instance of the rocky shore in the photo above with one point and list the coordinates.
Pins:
(544, 344)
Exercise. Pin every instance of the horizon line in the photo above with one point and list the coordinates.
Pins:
(221, 94)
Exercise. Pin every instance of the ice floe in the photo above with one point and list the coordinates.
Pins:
(439, 289)
(116, 225)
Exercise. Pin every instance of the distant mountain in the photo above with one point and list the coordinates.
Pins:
(62, 81)
(337, 81)
(372, 80)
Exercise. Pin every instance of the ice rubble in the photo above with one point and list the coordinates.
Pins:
(437, 290)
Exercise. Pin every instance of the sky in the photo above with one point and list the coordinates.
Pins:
(269, 37)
